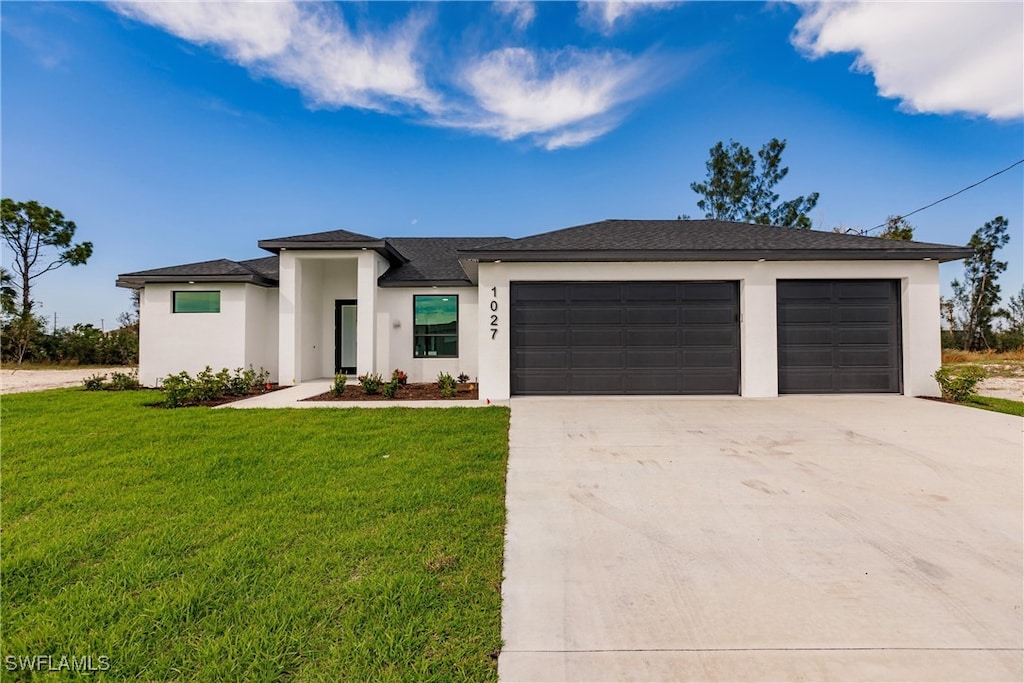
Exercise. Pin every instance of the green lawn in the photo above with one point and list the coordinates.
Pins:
(200, 544)
(999, 405)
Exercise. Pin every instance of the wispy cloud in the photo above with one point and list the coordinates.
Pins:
(520, 13)
(564, 98)
(935, 57)
(607, 15)
(304, 45)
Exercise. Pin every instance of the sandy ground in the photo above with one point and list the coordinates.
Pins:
(17, 381)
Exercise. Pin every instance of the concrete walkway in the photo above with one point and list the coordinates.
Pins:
(801, 538)
(294, 397)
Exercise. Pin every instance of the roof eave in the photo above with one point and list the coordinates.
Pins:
(424, 283)
(605, 255)
(130, 281)
(382, 247)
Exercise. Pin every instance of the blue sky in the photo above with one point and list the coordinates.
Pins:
(182, 132)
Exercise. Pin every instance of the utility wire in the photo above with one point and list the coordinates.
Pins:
(939, 201)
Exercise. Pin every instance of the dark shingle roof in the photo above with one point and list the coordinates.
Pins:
(431, 260)
(703, 240)
(328, 236)
(262, 271)
(333, 239)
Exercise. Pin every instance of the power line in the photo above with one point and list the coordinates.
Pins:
(950, 196)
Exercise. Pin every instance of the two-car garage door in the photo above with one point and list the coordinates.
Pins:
(625, 337)
(834, 336)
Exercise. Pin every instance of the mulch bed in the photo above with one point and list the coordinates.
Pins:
(407, 392)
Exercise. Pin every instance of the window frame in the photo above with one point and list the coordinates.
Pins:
(176, 292)
(416, 335)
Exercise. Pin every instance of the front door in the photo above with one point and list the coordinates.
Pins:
(345, 336)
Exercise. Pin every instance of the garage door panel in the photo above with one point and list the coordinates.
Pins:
(652, 337)
(652, 316)
(542, 359)
(594, 291)
(596, 316)
(665, 359)
(839, 336)
(624, 338)
(528, 315)
(804, 313)
(803, 336)
(641, 293)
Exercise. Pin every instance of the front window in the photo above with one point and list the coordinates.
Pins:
(435, 326)
(196, 302)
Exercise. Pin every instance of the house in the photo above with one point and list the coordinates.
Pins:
(614, 307)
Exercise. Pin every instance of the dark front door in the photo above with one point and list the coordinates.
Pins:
(624, 337)
(345, 336)
(839, 336)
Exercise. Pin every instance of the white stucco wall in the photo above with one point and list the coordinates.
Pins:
(244, 332)
(758, 324)
(395, 326)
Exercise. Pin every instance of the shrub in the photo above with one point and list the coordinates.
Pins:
(184, 390)
(400, 377)
(371, 382)
(463, 378)
(957, 384)
(338, 386)
(390, 389)
(446, 383)
(124, 381)
(95, 382)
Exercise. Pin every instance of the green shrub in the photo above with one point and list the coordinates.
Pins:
(184, 390)
(957, 383)
(446, 383)
(338, 386)
(463, 378)
(95, 382)
(400, 377)
(124, 381)
(371, 382)
(390, 389)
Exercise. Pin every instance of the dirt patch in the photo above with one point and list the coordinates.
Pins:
(14, 381)
(407, 392)
(1002, 387)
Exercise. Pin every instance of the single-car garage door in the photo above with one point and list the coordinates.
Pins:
(625, 337)
(839, 336)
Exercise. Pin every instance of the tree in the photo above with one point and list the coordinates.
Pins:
(977, 296)
(40, 239)
(8, 297)
(741, 188)
(897, 228)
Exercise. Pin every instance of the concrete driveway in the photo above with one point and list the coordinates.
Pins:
(801, 538)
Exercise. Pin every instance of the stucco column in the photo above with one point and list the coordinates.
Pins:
(922, 345)
(759, 361)
(493, 366)
(289, 330)
(366, 311)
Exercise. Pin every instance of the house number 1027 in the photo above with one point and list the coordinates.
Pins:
(494, 312)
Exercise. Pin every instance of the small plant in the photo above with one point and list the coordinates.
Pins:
(184, 390)
(124, 381)
(338, 386)
(371, 382)
(400, 377)
(446, 383)
(390, 389)
(957, 384)
(463, 378)
(95, 382)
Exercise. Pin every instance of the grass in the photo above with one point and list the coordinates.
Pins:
(210, 545)
(998, 405)
(1006, 364)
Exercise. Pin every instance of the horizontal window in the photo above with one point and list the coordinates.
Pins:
(196, 302)
(435, 326)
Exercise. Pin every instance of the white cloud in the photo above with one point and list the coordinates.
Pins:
(605, 14)
(304, 45)
(522, 14)
(563, 99)
(935, 57)
(556, 99)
